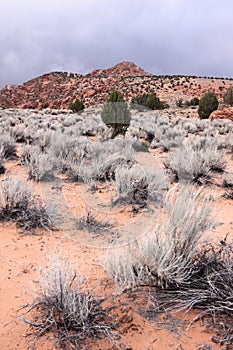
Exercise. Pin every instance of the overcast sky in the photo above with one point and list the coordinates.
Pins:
(161, 36)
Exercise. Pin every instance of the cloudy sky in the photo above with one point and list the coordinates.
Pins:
(162, 36)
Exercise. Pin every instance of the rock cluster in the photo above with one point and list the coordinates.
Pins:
(225, 113)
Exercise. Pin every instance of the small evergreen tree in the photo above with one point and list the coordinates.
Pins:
(77, 106)
(179, 103)
(150, 101)
(207, 104)
(194, 101)
(115, 113)
(228, 96)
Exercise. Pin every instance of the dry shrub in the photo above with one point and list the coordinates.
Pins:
(7, 147)
(2, 166)
(228, 180)
(137, 185)
(194, 160)
(209, 289)
(168, 137)
(165, 257)
(182, 272)
(19, 204)
(89, 221)
(40, 165)
(65, 306)
(230, 140)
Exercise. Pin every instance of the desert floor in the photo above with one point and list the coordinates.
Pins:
(23, 253)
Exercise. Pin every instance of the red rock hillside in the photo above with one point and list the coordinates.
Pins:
(58, 89)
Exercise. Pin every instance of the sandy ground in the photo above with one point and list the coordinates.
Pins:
(21, 254)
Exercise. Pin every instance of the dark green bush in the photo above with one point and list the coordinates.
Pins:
(150, 101)
(77, 106)
(194, 101)
(115, 113)
(179, 103)
(207, 104)
(228, 96)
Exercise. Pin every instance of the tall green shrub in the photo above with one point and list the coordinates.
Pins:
(228, 96)
(77, 106)
(150, 101)
(207, 104)
(115, 113)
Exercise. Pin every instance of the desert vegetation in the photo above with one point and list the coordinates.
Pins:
(66, 306)
(149, 101)
(19, 204)
(116, 114)
(228, 96)
(207, 104)
(175, 170)
(77, 106)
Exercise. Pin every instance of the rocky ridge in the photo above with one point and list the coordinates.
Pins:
(57, 90)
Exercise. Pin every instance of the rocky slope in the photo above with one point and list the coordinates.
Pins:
(59, 89)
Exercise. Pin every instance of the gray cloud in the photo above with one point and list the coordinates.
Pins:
(162, 36)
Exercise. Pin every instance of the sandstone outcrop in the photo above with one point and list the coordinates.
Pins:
(225, 113)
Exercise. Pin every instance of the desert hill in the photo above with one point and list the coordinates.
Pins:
(123, 69)
(59, 89)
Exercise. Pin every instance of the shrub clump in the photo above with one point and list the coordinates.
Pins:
(7, 147)
(67, 307)
(40, 164)
(194, 160)
(228, 96)
(150, 101)
(209, 289)
(164, 258)
(136, 186)
(19, 204)
(193, 102)
(90, 222)
(77, 106)
(207, 104)
(116, 114)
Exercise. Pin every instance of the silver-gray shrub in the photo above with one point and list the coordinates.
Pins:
(19, 204)
(194, 160)
(40, 164)
(137, 186)
(92, 125)
(228, 180)
(165, 257)
(223, 126)
(67, 150)
(43, 139)
(143, 125)
(168, 138)
(101, 161)
(7, 146)
(119, 145)
(230, 141)
(64, 304)
(99, 168)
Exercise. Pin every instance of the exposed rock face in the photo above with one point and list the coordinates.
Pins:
(123, 69)
(58, 90)
(225, 113)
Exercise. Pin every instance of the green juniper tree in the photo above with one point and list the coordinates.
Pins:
(115, 113)
(77, 106)
(207, 104)
(150, 101)
(228, 96)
